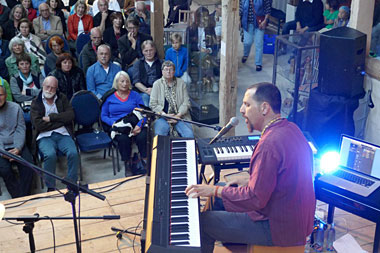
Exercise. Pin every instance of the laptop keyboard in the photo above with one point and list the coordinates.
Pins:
(353, 178)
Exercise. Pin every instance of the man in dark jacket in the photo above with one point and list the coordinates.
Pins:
(52, 117)
(146, 71)
(130, 44)
(88, 54)
(309, 17)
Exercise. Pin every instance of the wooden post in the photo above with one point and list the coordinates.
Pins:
(228, 61)
(157, 26)
(362, 17)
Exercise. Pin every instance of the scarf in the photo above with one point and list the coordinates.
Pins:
(26, 81)
(171, 98)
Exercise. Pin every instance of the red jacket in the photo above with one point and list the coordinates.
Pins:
(73, 22)
(32, 14)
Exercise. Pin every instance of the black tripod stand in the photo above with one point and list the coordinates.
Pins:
(70, 196)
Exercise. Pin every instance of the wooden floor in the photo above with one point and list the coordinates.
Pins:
(127, 200)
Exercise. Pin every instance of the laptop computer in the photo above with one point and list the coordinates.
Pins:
(359, 167)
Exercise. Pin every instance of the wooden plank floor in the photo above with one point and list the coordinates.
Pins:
(127, 200)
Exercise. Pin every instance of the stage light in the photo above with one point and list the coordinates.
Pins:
(2, 211)
(329, 162)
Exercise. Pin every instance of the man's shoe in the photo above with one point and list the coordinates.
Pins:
(259, 68)
(244, 59)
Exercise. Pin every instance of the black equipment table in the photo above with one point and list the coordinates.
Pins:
(365, 207)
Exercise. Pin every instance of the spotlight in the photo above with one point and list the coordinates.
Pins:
(329, 162)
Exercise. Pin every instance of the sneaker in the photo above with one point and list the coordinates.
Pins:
(244, 59)
(259, 68)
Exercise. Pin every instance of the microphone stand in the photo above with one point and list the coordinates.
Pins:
(150, 115)
(69, 196)
(30, 220)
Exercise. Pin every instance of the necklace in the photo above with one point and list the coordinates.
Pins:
(270, 123)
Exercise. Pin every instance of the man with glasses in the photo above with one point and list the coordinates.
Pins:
(12, 139)
(46, 24)
(52, 118)
(130, 44)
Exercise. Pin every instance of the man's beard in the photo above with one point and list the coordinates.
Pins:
(48, 95)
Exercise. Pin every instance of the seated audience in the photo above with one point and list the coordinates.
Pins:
(36, 5)
(12, 139)
(113, 5)
(130, 43)
(88, 54)
(343, 17)
(101, 74)
(330, 13)
(10, 27)
(4, 13)
(117, 104)
(4, 54)
(56, 8)
(102, 18)
(179, 56)
(56, 45)
(32, 43)
(169, 97)
(277, 195)
(174, 7)
(52, 119)
(70, 77)
(32, 13)
(308, 18)
(26, 84)
(146, 70)
(17, 48)
(114, 33)
(47, 24)
(79, 22)
(142, 14)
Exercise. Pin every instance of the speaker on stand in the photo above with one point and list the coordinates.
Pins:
(340, 85)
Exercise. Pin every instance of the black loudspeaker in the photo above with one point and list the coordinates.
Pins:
(342, 62)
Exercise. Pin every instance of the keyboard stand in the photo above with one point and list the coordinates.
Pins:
(365, 207)
(217, 168)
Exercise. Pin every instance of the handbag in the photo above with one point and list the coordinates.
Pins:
(258, 5)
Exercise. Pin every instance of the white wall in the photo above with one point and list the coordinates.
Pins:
(372, 132)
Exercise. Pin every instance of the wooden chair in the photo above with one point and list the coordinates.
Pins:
(272, 249)
(185, 16)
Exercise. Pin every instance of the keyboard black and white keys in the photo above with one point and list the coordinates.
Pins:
(227, 149)
(172, 217)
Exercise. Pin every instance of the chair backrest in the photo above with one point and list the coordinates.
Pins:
(86, 108)
(82, 40)
(66, 47)
(185, 16)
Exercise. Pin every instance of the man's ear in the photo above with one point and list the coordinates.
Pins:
(265, 108)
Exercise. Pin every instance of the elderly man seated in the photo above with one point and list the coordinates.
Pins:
(52, 117)
(169, 97)
(47, 24)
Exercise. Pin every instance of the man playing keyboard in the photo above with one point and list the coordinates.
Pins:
(276, 206)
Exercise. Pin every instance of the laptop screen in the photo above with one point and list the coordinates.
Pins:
(360, 156)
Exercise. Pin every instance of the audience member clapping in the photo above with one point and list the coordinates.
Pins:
(70, 77)
(11, 26)
(169, 97)
(118, 105)
(17, 48)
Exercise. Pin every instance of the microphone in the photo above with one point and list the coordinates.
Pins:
(233, 122)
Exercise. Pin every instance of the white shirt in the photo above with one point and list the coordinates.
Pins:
(48, 110)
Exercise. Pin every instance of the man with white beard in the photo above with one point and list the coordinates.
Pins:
(52, 117)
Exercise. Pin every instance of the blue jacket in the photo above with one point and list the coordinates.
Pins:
(98, 80)
(179, 58)
(262, 7)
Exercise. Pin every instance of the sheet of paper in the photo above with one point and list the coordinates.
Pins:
(347, 244)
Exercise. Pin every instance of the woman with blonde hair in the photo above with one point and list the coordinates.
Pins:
(118, 103)
(79, 22)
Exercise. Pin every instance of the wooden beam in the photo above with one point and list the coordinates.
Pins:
(228, 61)
(157, 26)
